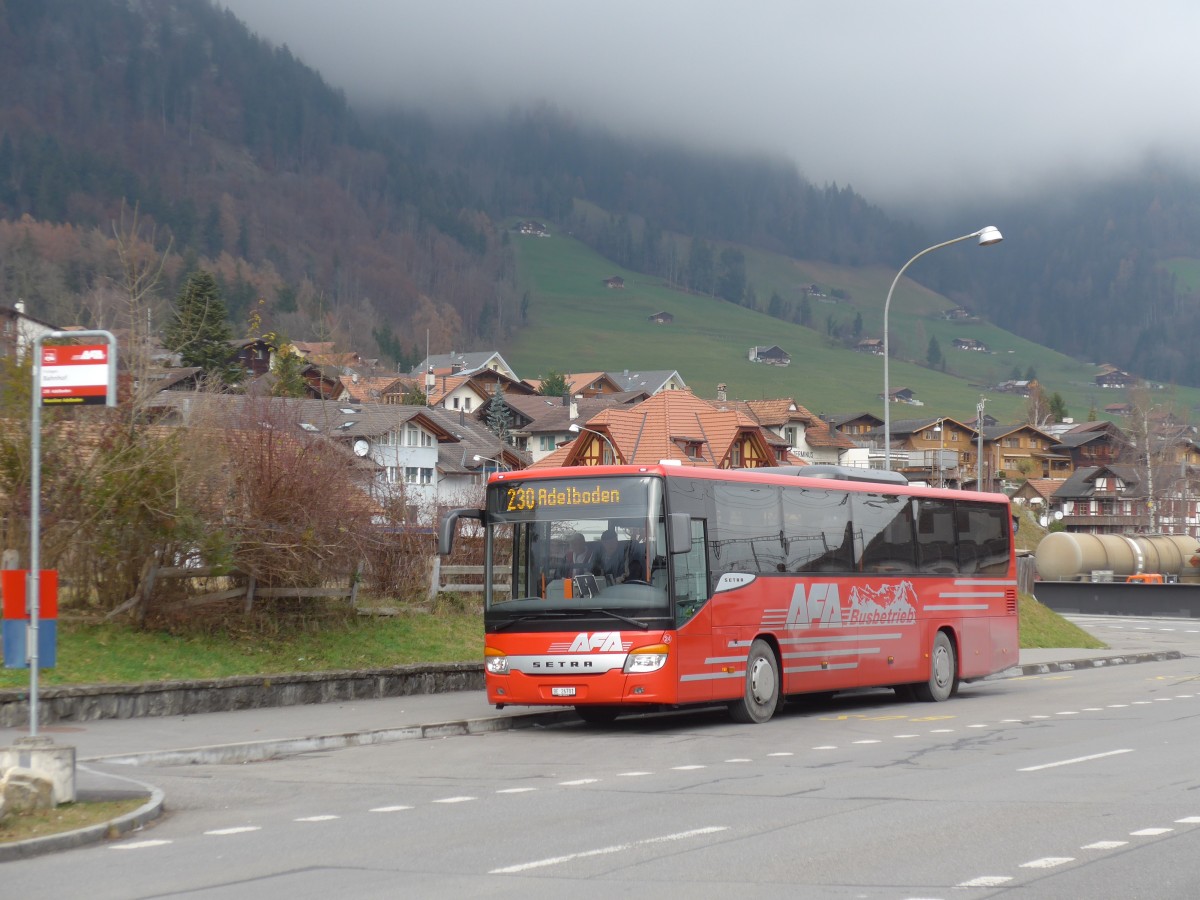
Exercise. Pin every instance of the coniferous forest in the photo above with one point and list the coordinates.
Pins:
(375, 228)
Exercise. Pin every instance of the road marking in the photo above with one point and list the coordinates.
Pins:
(1118, 705)
(868, 742)
(826, 747)
(1077, 759)
(1068, 713)
(687, 768)
(785, 753)
(577, 782)
(738, 759)
(1011, 721)
(616, 848)
(454, 800)
(1150, 832)
(980, 725)
(241, 829)
(1047, 862)
(1104, 845)
(1092, 709)
(905, 735)
(138, 845)
(942, 731)
(632, 774)
(986, 881)
(316, 819)
(399, 808)
(1039, 717)
(1190, 820)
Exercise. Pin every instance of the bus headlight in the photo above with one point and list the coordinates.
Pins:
(646, 659)
(495, 661)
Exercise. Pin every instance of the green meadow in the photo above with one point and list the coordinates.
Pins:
(576, 324)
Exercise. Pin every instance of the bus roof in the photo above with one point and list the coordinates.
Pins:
(823, 477)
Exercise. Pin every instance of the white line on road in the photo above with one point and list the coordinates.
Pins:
(1078, 759)
(687, 768)
(454, 800)
(986, 881)
(1150, 832)
(1190, 820)
(138, 845)
(577, 782)
(1104, 845)
(241, 829)
(617, 848)
(399, 808)
(513, 791)
(1048, 862)
(317, 819)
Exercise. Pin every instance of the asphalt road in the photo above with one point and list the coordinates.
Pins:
(1068, 784)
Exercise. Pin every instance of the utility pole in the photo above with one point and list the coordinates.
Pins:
(979, 429)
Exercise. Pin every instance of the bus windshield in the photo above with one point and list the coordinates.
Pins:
(577, 545)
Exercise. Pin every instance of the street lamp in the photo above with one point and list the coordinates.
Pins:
(987, 236)
(575, 428)
(500, 467)
(940, 428)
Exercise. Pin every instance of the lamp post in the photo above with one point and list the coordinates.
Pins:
(500, 467)
(940, 428)
(575, 427)
(987, 236)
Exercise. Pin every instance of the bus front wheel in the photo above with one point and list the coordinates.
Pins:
(943, 672)
(762, 694)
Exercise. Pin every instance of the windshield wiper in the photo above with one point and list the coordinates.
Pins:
(548, 614)
(636, 623)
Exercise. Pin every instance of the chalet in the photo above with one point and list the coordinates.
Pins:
(870, 345)
(939, 451)
(802, 436)
(1092, 444)
(652, 381)
(540, 425)
(772, 356)
(19, 330)
(957, 313)
(1118, 409)
(662, 318)
(456, 363)
(970, 344)
(531, 229)
(902, 395)
(672, 425)
(853, 424)
(1115, 378)
(1018, 387)
(1023, 451)
(616, 282)
(1038, 493)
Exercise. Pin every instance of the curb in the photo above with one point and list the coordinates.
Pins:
(1093, 662)
(114, 828)
(257, 751)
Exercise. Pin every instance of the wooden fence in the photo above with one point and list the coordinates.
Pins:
(462, 580)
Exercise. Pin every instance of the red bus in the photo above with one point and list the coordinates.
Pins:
(739, 587)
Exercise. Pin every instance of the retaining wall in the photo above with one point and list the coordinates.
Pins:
(85, 703)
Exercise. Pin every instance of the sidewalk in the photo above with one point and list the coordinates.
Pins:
(121, 745)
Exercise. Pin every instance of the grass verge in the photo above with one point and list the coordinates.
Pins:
(66, 817)
(1042, 627)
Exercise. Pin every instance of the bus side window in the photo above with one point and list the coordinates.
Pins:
(885, 521)
(935, 538)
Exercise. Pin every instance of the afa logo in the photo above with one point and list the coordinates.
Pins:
(604, 641)
(820, 605)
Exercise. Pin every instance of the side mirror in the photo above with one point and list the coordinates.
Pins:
(679, 533)
(450, 526)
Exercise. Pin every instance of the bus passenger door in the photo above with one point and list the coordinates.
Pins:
(693, 619)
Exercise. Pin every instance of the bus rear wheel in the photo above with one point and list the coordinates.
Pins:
(598, 715)
(943, 672)
(762, 694)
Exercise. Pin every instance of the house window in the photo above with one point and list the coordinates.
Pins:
(410, 436)
(456, 403)
(546, 442)
(426, 439)
(426, 476)
(411, 474)
(467, 404)
(392, 474)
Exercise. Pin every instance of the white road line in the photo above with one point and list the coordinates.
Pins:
(980, 725)
(632, 774)
(524, 790)
(905, 735)
(577, 782)
(138, 845)
(738, 759)
(382, 809)
(868, 742)
(1078, 759)
(986, 881)
(617, 848)
(1068, 713)
(241, 829)
(942, 731)
(1104, 845)
(1150, 832)
(1118, 705)
(785, 753)
(1190, 820)
(455, 800)
(826, 747)
(687, 768)
(1047, 862)
(316, 819)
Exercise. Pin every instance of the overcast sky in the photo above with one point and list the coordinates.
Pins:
(901, 100)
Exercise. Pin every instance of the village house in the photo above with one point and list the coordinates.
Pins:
(18, 330)
(802, 435)
(970, 344)
(661, 318)
(616, 282)
(772, 356)
(870, 345)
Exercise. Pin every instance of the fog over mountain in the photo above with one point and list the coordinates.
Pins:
(912, 104)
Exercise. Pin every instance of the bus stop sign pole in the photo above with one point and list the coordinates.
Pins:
(63, 375)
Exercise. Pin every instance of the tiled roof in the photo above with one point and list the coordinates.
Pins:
(647, 433)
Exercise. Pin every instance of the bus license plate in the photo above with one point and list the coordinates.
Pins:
(562, 692)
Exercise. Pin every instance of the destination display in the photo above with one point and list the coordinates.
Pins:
(603, 498)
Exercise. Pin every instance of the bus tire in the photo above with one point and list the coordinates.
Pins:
(762, 694)
(943, 672)
(598, 715)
